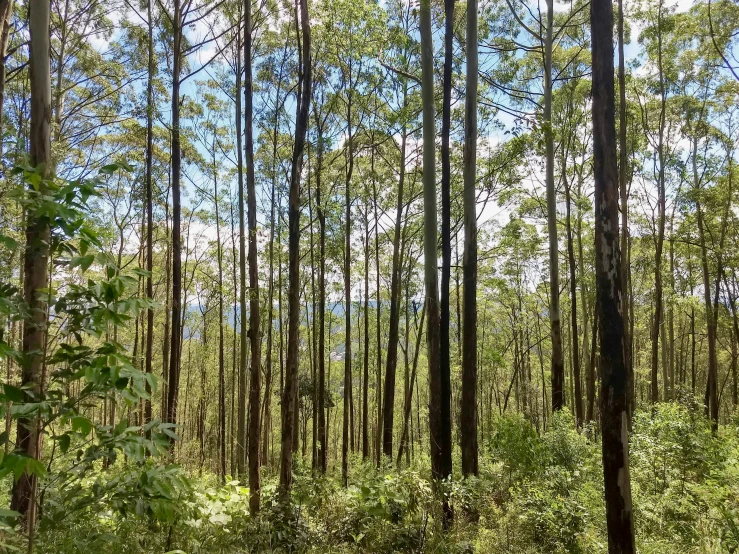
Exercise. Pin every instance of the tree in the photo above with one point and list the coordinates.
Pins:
(301, 124)
(35, 257)
(613, 389)
(468, 418)
(255, 385)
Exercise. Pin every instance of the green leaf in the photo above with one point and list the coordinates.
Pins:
(82, 425)
(64, 442)
(14, 394)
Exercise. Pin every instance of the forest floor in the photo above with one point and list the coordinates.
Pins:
(535, 493)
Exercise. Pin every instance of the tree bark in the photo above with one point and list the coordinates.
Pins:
(661, 205)
(392, 338)
(151, 69)
(573, 309)
(613, 390)
(468, 415)
(291, 373)
(36, 257)
(255, 385)
(558, 366)
(430, 238)
(176, 315)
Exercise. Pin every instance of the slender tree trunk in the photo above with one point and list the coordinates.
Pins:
(430, 237)
(365, 378)
(291, 373)
(445, 435)
(221, 355)
(255, 386)
(661, 204)
(387, 423)
(267, 420)
(468, 416)
(712, 378)
(149, 209)
(613, 396)
(573, 310)
(558, 366)
(347, 299)
(409, 393)
(241, 446)
(36, 257)
(176, 326)
(622, 186)
(322, 444)
(378, 312)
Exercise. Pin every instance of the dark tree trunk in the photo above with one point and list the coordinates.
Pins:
(573, 310)
(322, 444)
(176, 326)
(392, 338)
(255, 384)
(446, 254)
(149, 209)
(291, 373)
(468, 414)
(613, 392)
(347, 302)
(558, 365)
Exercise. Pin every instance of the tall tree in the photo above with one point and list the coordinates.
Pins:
(35, 257)
(468, 414)
(301, 125)
(558, 365)
(446, 248)
(255, 385)
(613, 396)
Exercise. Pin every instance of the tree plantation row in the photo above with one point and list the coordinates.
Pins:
(436, 266)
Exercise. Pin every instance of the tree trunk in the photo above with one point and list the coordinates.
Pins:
(36, 256)
(573, 309)
(446, 255)
(613, 397)
(392, 338)
(221, 355)
(468, 415)
(365, 377)
(149, 209)
(661, 204)
(241, 446)
(322, 444)
(176, 326)
(558, 365)
(622, 184)
(430, 238)
(291, 373)
(347, 300)
(255, 385)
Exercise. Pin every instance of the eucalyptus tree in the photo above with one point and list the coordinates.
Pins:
(469, 412)
(303, 94)
(613, 389)
(35, 256)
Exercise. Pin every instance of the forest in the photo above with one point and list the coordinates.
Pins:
(375, 276)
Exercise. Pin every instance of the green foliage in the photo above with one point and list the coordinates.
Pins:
(83, 367)
(553, 505)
